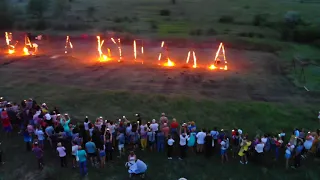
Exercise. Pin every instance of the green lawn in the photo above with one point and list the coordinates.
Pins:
(252, 117)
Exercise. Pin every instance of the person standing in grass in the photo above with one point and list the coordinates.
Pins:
(143, 138)
(245, 144)
(288, 155)
(170, 147)
(27, 137)
(163, 119)
(102, 155)
(192, 140)
(151, 139)
(121, 141)
(6, 124)
(91, 150)
(297, 155)
(259, 147)
(109, 149)
(236, 140)
(160, 141)
(183, 143)
(165, 129)
(208, 144)
(39, 154)
(82, 159)
(74, 150)
(215, 134)
(174, 128)
(62, 154)
(40, 134)
(200, 140)
(224, 147)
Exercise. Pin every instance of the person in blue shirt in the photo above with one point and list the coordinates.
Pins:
(297, 158)
(82, 159)
(41, 138)
(27, 139)
(160, 141)
(121, 141)
(91, 150)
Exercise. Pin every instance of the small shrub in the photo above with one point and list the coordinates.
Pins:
(226, 19)
(306, 34)
(153, 25)
(211, 32)
(41, 25)
(259, 19)
(292, 18)
(90, 11)
(196, 32)
(117, 20)
(165, 12)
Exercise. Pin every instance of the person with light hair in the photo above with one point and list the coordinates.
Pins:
(163, 119)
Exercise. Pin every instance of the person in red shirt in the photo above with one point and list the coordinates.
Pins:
(165, 129)
(174, 127)
(6, 124)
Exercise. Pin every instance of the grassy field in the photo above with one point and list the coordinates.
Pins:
(245, 24)
(252, 117)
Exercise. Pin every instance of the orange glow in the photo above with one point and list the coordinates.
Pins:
(118, 44)
(29, 48)
(169, 63)
(220, 59)
(194, 59)
(164, 49)
(102, 57)
(68, 45)
(11, 48)
(135, 52)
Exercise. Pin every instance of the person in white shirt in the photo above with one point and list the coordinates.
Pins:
(200, 140)
(183, 145)
(74, 151)
(224, 147)
(86, 123)
(170, 146)
(62, 154)
(319, 116)
(154, 126)
(259, 151)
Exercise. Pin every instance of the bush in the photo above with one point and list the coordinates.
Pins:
(306, 34)
(226, 19)
(165, 12)
(211, 32)
(153, 25)
(7, 19)
(292, 18)
(90, 11)
(37, 8)
(41, 25)
(259, 19)
(117, 20)
(196, 32)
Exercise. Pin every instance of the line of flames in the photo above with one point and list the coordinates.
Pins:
(103, 57)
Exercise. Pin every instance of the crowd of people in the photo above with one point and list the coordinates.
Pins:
(95, 142)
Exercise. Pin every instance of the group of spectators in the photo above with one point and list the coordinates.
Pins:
(96, 141)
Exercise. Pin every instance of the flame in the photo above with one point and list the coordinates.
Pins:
(102, 57)
(160, 54)
(118, 44)
(68, 45)
(11, 48)
(135, 50)
(217, 58)
(194, 59)
(169, 63)
(28, 45)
